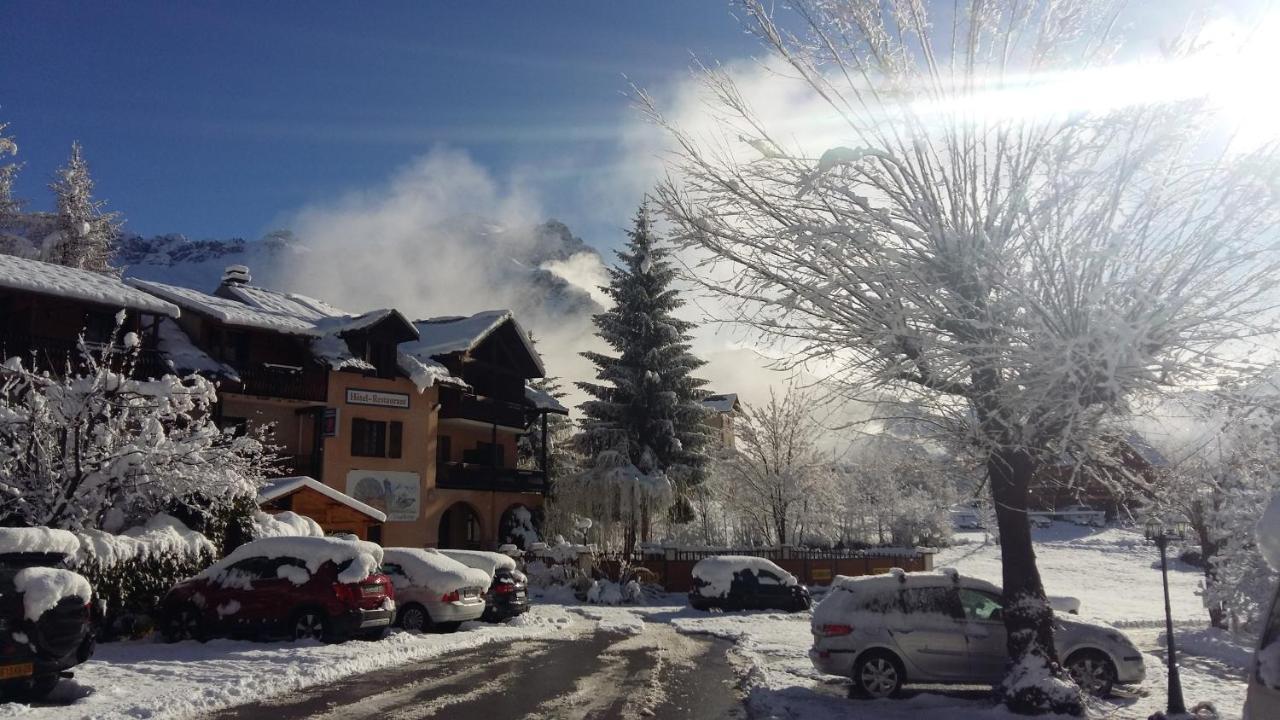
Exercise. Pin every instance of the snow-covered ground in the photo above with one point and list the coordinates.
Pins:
(148, 679)
(1112, 571)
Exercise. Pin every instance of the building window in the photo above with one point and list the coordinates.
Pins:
(444, 449)
(485, 454)
(372, 438)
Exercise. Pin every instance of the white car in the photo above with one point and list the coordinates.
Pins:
(433, 592)
(882, 631)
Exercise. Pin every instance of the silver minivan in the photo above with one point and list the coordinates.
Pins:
(883, 631)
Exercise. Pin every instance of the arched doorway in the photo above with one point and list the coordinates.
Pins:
(520, 525)
(460, 528)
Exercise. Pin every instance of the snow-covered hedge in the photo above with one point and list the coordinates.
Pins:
(131, 571)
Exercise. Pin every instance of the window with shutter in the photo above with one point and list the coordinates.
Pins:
(393, 440)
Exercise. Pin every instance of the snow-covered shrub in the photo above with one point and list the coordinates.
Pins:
(131, 571)
(99, 450)
(608, 592)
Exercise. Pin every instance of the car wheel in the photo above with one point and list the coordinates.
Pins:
(877, 674)
(1093, 672)
(37, 688)
(185, 623)
(309, 625)
(414, 618)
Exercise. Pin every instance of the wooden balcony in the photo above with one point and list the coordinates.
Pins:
(55, 354)
(456, 405)
(288, 383)
(468, 476)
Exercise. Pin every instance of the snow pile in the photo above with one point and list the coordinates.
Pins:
(563, 551)
(1268, 532)
(613, 620)
(607, 592)
(364, 557)
(490, 562)
(38, 540)
(285, 524)
(432, 569)
(714, 576)
(1031, 687)
(43, 588)
(425, 373)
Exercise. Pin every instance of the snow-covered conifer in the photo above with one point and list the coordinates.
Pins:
(84, 234)
(643, 427)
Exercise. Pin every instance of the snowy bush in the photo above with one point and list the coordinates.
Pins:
(100, 450)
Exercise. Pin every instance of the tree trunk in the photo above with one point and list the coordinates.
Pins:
(1028, 619)
(1208, 552)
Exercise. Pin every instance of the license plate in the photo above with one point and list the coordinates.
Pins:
(470, 593)
(16, 671)
(371, 590)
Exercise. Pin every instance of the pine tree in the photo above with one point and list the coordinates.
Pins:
(643, 430)
(84, 234)
(10, 243)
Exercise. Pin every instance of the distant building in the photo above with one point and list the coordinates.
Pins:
(722, 411)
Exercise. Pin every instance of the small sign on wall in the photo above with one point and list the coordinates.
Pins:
(377, 398)
(329, 425)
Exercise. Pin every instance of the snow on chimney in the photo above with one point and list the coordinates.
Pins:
(236, 275)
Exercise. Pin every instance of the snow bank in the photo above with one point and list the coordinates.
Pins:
(38, 540)
(365, 557)
(490, 562)
(713, 576)
(434, 570)
(608, 592)
(43, 588)
(1268, 531)
(285, 524)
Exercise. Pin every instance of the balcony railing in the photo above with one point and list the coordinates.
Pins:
(291, 384)
(465, 406)
(54, 355)
(466, 476)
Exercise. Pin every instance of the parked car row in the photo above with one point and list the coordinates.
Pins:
(882, 631)
(332, 590)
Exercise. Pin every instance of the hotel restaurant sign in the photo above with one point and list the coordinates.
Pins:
(377, 399)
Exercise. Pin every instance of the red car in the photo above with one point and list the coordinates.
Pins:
(296, 587)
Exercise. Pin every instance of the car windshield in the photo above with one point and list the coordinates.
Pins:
(978, 605)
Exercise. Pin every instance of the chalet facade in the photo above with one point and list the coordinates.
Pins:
(45, 309)
(419, 421)
(722, 412)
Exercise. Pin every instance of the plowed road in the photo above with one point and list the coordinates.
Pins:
(657, 674)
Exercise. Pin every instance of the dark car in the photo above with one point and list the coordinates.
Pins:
(508, 593)
(34, 583)
(294, 587)
(733, 582)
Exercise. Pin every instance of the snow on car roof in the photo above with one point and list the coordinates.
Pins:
(283, 486)
(489, 562)
(715, 573)
(365, 557)
(38, 540)
(896, 578)
(49, 279)
(434, 570)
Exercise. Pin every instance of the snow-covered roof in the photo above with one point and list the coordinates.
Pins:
(229, 312)
(293, 304)
(48, 279)
(283, 486)
(447, 335)
(721, 403)
(544, 400)
(183, 355)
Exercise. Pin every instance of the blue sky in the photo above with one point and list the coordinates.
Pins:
(219, 120)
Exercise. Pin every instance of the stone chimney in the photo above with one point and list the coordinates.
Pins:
(236, 275)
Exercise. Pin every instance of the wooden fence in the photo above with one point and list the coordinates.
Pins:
(674, 567)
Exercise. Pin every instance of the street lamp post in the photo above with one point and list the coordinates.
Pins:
(1159, 534)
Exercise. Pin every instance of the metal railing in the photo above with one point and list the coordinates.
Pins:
(301, 384)
(57, 354)
(467, 406)
(469, 476)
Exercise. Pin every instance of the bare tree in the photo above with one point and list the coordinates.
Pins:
(778, 465)
(1028, 269)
